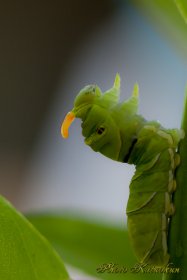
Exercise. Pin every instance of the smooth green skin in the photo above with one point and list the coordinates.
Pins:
(103, 111)
(111, 128)
(24, 253)
(145, 222)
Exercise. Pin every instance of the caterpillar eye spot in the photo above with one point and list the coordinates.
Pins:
(118, 132)
(100, 130)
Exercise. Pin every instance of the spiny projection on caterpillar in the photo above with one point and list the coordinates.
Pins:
(118, 132)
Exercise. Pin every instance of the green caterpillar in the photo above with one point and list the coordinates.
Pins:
(118, 132)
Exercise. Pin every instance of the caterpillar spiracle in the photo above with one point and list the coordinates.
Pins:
(118, 132)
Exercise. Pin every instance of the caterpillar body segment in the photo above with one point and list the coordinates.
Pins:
(117, 131)
(150, 201)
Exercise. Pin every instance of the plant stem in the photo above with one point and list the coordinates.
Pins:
(178, 225)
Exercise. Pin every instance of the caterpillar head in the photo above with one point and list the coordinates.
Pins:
(101, 117)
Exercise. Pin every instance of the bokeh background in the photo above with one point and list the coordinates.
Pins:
(49, 50)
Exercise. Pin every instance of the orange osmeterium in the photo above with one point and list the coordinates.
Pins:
(66, 124)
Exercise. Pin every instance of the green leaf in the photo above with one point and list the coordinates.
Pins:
(88, 244)
(24, 253)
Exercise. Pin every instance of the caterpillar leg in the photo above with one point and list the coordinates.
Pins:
(169, 207)
(177, 135)
(177, 159)
(172, 182)
(172, 185)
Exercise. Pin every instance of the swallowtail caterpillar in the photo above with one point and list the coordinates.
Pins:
(118, 132)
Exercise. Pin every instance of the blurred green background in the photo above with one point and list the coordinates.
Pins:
(48, 52)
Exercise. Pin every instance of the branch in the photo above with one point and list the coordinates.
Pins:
(178, 225)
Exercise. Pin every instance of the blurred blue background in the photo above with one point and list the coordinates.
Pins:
(58, 49)
(66, 173)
